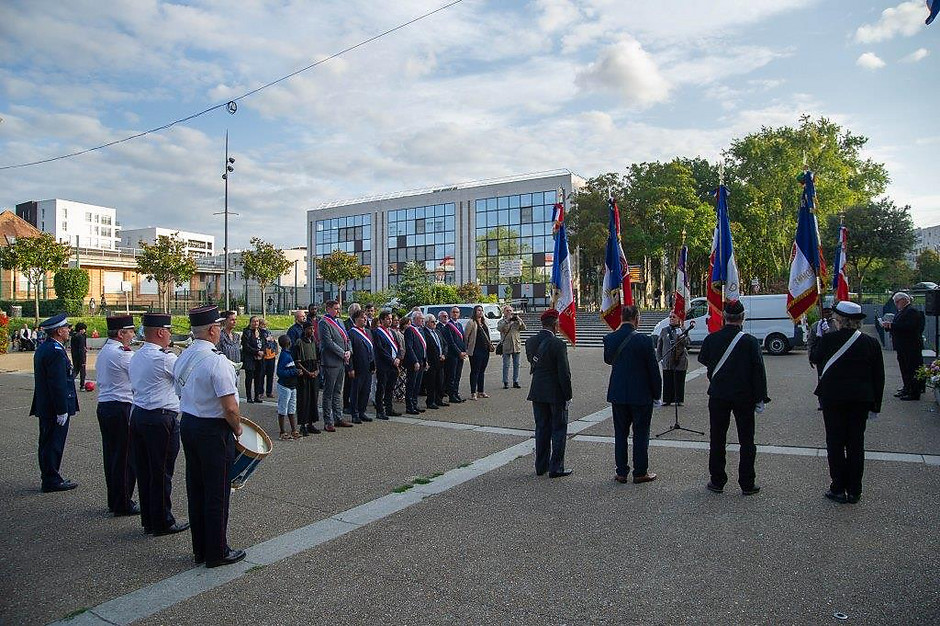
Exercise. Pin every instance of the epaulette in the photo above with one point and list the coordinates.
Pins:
(166, 351)
(217, 351)
(58, 347)
(125, 349)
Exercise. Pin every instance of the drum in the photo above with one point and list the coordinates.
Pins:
(252, 447)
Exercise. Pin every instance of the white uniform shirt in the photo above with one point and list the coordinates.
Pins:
(152, 378)
(113, 373)
(200, 387)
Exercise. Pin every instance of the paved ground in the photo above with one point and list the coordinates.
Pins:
(500, 544)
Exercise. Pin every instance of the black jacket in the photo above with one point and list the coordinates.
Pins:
(79, 345)
(251, 345)
(551, 375)
(385, 345)
(434, 353)
(742, 378)
(858, 375)
(907, 330)
(635, 377)
(415, 351)
(363, 355)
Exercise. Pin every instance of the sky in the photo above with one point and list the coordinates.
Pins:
(483, 89)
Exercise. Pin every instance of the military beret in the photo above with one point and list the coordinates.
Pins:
(549, 315)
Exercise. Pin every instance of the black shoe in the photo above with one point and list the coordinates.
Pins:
(357, 421)
(134, 509)
(516, 386)
(836, 497)
(853, 498)
(65, 485)
(714, 488)
(419, 409)
(453, 399)
(393, 413)
(409, 412)
(433, 407)
(560, 474)
(199, 559)
(899, 394)
(913, 398)
(442, 404)
(505, 385)
(178, 527)
(364, 418)
(303, 430)
(379, 416)
(542, 473)
(233, 556)
(461, 399)
(258, 400)
(313, 430)
(751, 491)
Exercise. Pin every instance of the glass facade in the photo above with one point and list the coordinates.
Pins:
(352, 234)
(517, 227)
(423, 234)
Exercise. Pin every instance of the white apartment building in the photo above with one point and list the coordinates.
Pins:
(76, 223)
(925, 239)
(198, 244)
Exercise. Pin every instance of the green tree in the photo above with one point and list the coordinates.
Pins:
(265, 264)
(878, 234)
(587, 223)
(928, 266)
(34, 256)
(71, 286)
(414, 287)
(443, 293)
(470, 292)
(166, 262)
(341, 267)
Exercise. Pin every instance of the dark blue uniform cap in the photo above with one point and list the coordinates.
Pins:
(204, 315)
(54, 322)
(120, 322)
(157, 320)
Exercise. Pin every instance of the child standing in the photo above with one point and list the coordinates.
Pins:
(286, 390)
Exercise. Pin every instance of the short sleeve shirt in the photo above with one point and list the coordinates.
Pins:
(203, 375)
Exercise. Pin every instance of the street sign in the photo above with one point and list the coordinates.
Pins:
(126, 286)
(510, 268)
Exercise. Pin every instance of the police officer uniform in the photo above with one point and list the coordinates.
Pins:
(202, 376)
(114, 413)
(54, 402)
(155, 431)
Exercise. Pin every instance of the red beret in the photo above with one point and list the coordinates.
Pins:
(549, 315)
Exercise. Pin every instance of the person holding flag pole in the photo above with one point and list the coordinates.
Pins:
(617, 289)
(562, 284)
(723, 268)
(840, 285)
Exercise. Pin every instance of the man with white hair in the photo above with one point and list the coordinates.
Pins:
(416, 361)
(907, 329)
(434, 377)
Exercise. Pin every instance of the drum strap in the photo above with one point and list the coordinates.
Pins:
(185, 374)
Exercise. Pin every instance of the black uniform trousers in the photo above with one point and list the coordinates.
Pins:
(412, 386)
(81, 370)
(359, 394)
(719, 413)
(551, 433)
(155, 439)
(673, 386)
(433, 384)
(908, 362)
(845, 444)
(51, 446)
(114, 420)
(385, 378)
(269, 365)
(209, 446)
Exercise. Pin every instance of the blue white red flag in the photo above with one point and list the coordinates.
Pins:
(617, 289)
(681, 304)
(562, 285)
(840, 284)
(724, 268)
(806, 264)
(933, 6)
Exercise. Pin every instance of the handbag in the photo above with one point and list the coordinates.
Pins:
(499, 348)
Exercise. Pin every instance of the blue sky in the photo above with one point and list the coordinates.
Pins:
(481, 90)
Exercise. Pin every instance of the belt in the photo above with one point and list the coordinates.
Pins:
(157, 411)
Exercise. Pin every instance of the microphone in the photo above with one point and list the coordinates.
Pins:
(686, 331)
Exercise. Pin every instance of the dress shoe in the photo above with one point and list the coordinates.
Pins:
(410, 412)
(751, 491)
(648, 477)
(836, 496)
(420, 410)
(65, 485)
(913, 398)
(433, 407)
(505, 385)
(365, 418)
(356, 420)
(560, 474)
(714, 488)
(853, 498)
(178, 527)
(258, 400)
(232, 556)
(344, 424)
(329, 428)
(380, 416)
(313, 430)
(516, 386)
(133, 509)
(393, 413)
(900, 393)
(453, 400)
(623, 480)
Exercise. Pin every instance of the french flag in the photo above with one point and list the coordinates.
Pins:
(806, 263)
(681, 305)
(617, 289)
(562, 285)
(724, 267)
(840, 285)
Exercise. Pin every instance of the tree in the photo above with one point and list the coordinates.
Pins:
(71, 286)
(339, 268)
(264, 264)
(878, 233)
(415, 286)
(470, 292)
(166, 262)
(34, 256)
(928, 266)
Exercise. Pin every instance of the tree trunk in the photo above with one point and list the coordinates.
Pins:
(36, 300)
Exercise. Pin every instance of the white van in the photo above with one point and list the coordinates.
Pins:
(765, 317)
(491, 313)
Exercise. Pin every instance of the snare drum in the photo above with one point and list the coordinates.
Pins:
(252, 447)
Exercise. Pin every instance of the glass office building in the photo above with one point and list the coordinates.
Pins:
(460, 233)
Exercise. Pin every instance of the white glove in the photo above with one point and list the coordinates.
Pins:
(62, 419)
(759, 408)
(657, 402)
(824, 325)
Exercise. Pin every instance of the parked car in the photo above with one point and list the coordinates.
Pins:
(922, 287)
(765, 317)
(491, 313)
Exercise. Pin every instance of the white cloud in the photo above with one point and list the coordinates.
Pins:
(918, 55)
(870, 61)
(556, 14)
(627, 69)
(906, 19)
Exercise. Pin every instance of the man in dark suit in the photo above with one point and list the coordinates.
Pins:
(347, 387)
(363, 365)
(549, 393)
(54, 401)
(434, 376)
(737, 384)
(907, 330)
(387, 359)
(456, 355)
(635, 384)
(851, 385)
(416, 361)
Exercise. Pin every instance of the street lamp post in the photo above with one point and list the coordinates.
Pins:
(227, 169)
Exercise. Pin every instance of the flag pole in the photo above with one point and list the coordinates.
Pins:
(819, 289)
(718, 254)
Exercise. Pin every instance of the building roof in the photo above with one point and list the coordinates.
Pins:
(11, 225)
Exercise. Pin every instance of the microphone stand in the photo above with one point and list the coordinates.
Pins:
(676, 426)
